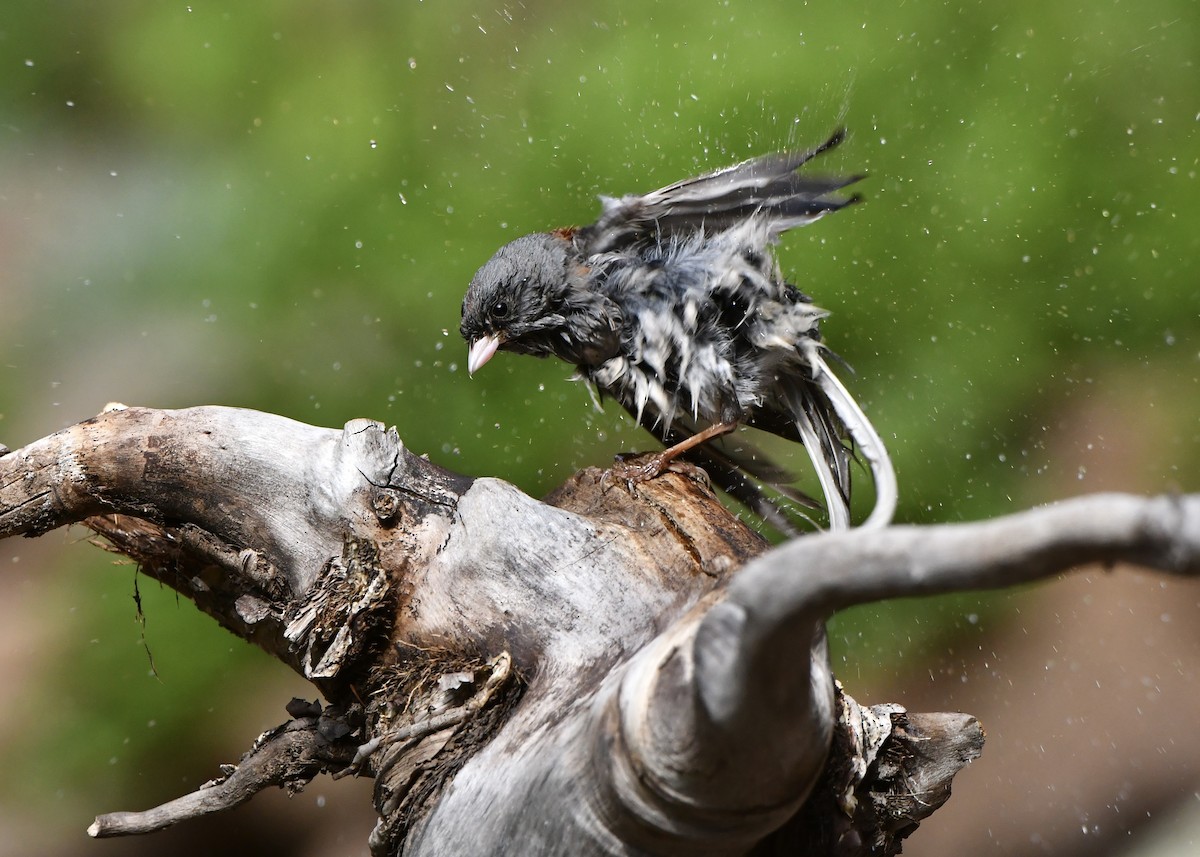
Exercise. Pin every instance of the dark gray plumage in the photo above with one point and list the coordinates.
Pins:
(672, 303)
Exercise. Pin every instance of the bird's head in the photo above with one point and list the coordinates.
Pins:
(521, 300)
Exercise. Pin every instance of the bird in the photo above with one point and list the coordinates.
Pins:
(673, 304)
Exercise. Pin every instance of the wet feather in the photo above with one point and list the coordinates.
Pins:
(673, 304)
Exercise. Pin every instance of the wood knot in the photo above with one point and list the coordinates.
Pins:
(385, 503)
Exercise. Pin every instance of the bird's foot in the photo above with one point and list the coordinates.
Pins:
(639, 467)
(642, 467)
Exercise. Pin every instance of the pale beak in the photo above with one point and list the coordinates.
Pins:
(481, 352)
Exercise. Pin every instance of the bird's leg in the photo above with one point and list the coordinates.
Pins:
(645, 468)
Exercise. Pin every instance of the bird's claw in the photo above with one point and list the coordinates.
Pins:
(638, 467)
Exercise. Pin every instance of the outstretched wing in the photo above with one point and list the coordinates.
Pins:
(767, 186)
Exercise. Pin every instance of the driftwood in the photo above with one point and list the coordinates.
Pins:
(614, 670)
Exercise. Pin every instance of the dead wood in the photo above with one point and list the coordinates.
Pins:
(616, 670)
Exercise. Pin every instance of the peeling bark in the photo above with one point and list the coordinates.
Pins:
(619, 669)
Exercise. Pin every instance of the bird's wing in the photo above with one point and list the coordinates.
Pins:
(767, 186)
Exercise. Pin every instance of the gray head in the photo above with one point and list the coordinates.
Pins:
(531, 298)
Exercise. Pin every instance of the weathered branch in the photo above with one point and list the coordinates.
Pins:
(593, 672)
(734, 671)
(288, 756)
(775, 602)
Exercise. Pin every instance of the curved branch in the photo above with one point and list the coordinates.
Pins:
(832, 571)
(779, 598)
(732, 709)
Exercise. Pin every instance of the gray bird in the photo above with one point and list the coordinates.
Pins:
(672, 303)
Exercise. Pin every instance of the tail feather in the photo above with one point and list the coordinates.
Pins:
(836, 504)
(862, 432)
(830, 459)
(823, 414)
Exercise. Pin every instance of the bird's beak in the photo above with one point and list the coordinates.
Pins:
(481, 352)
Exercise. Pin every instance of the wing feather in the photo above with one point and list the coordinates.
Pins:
(767, 186)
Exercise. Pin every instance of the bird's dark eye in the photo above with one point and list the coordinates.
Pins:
(499, 310)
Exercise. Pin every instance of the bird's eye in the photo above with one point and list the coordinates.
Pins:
(499, 310)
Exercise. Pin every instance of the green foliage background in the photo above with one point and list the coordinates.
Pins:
(277, 205)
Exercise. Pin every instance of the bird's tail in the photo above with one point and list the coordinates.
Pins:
(825, 416)
(865, 439)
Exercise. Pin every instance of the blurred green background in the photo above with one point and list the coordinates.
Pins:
(278, 205)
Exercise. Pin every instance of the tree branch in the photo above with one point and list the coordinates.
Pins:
(753, 664)
(592, 673)
(288, 756)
